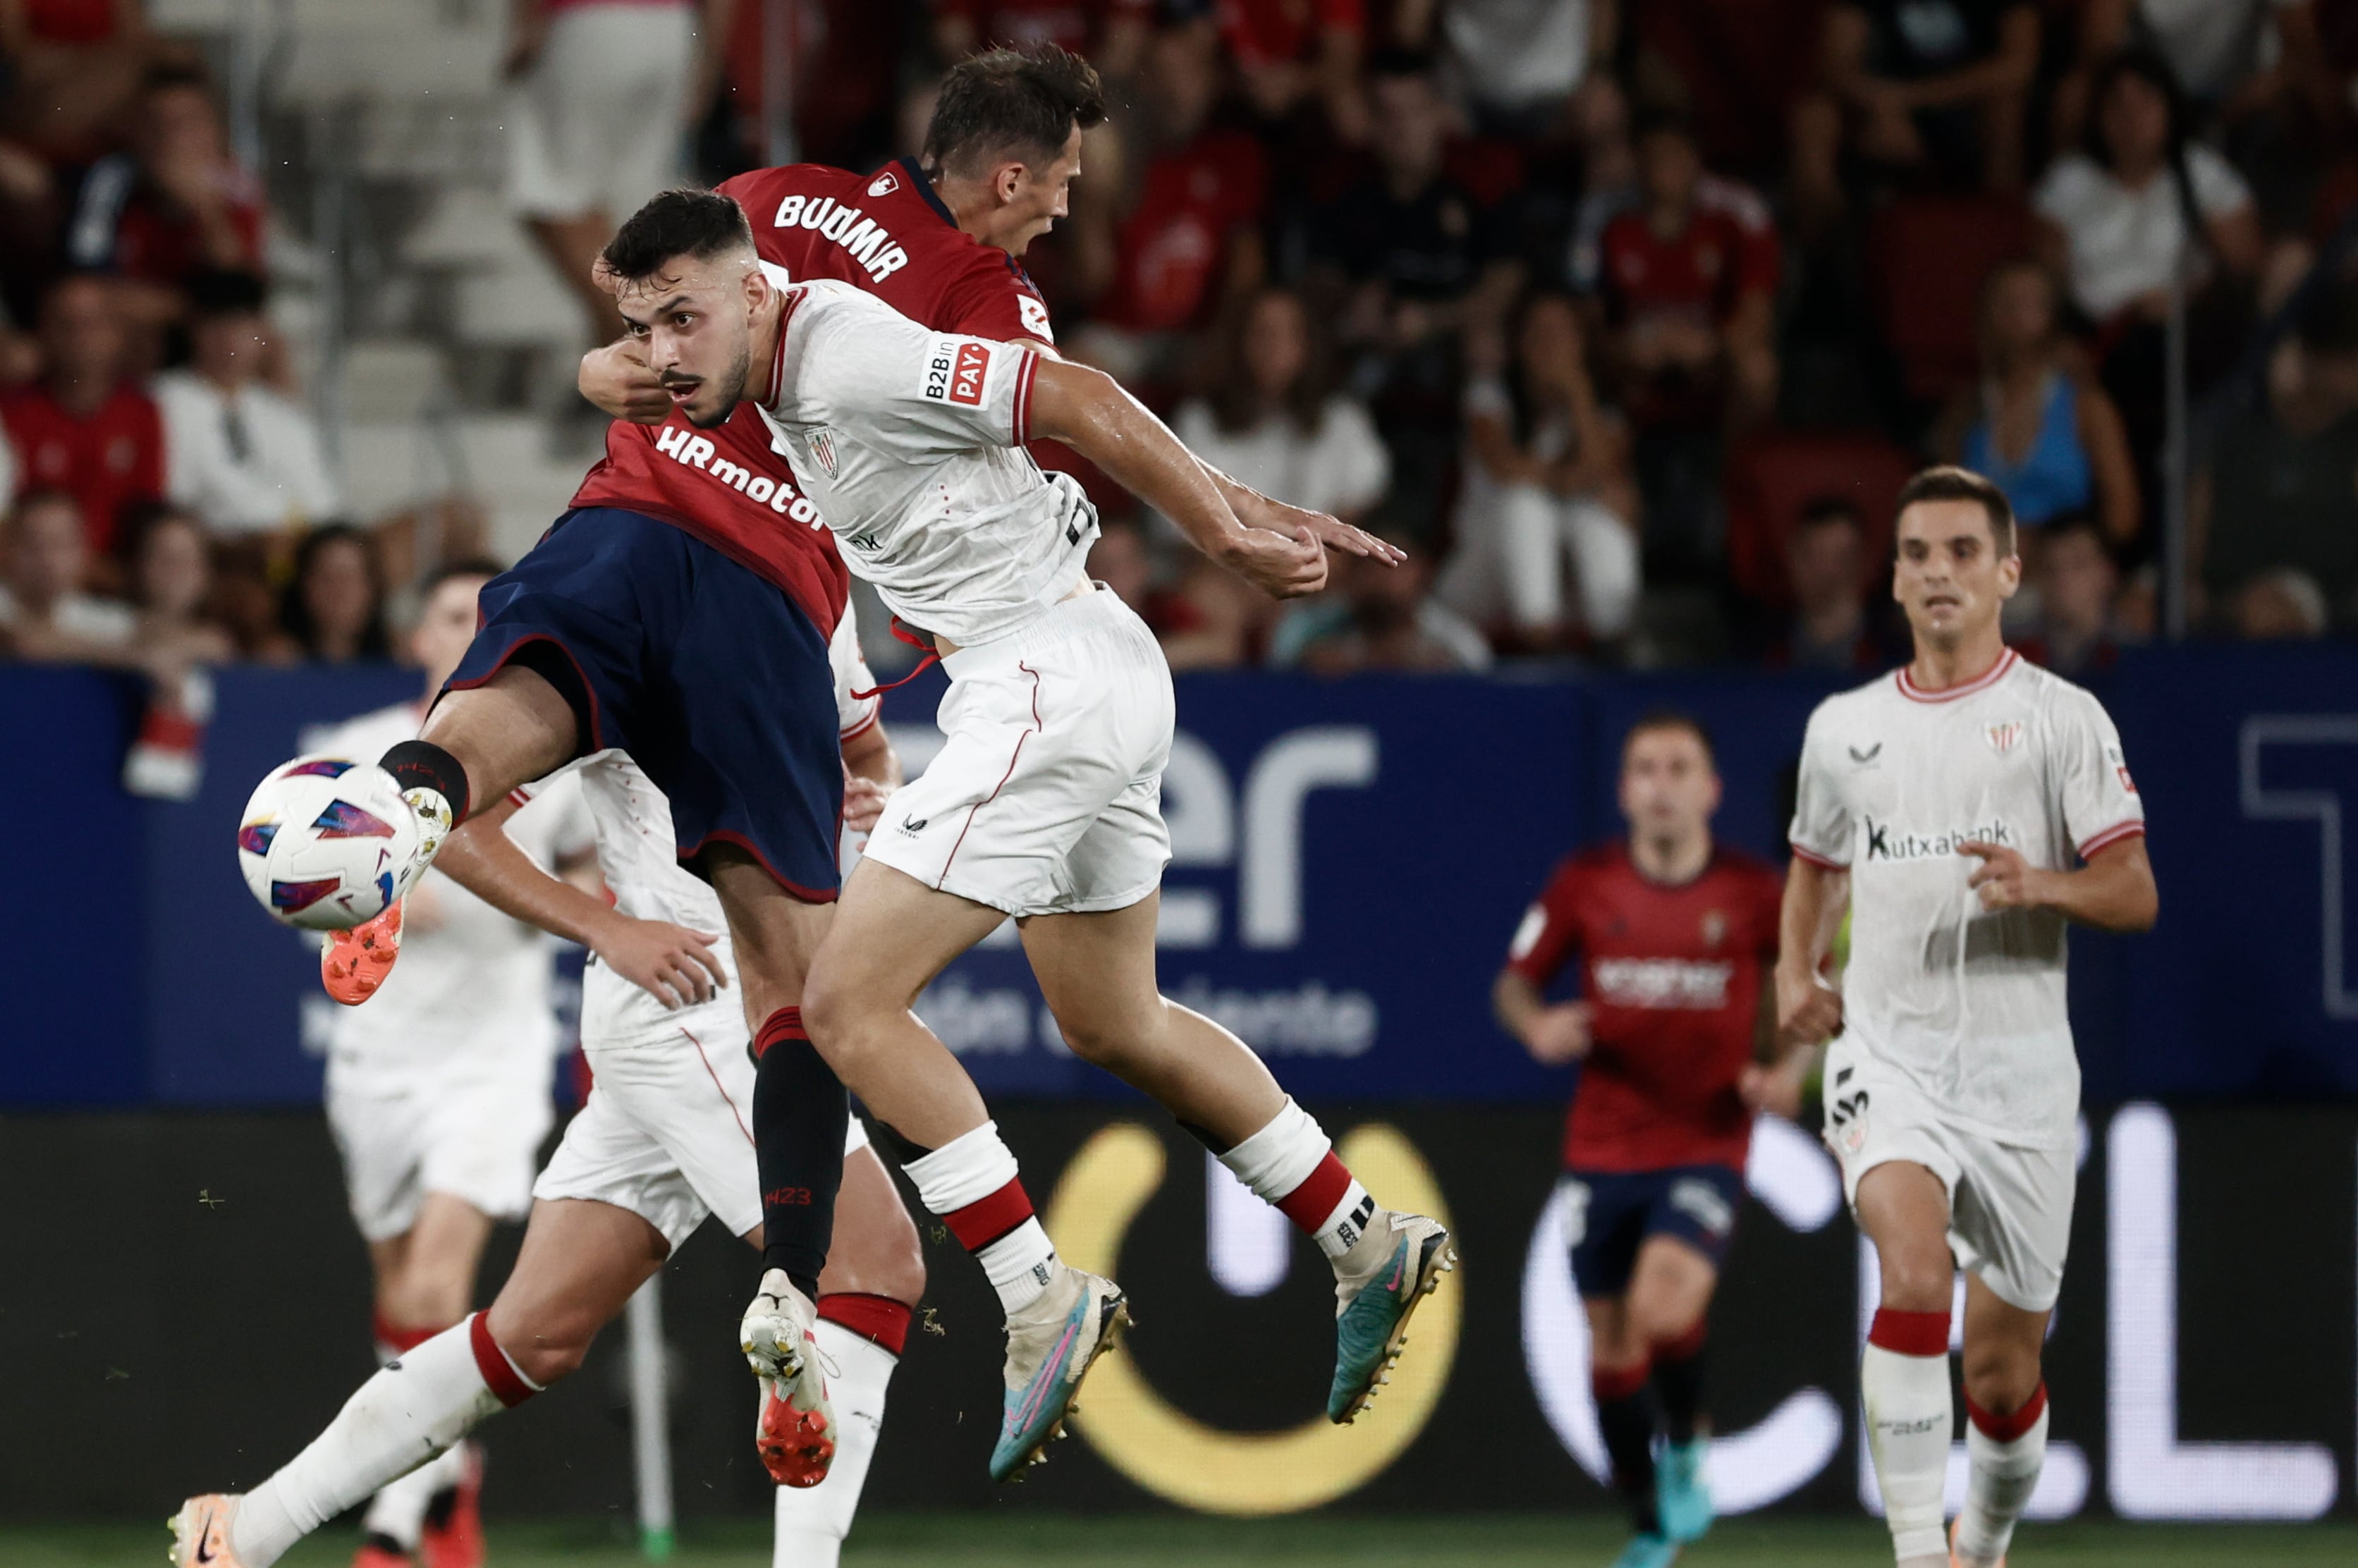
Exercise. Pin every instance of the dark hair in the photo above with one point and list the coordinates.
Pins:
(1022, 104)
(2071, 523)
(1525, 412)
(1237, 405)
(456, 566)
(1948, 483)
(1662, 120)
(2328, 323)
(225, 291)
(1671, 719)
(1395, 61)
(1821, 509)
(702, 225)
(2150, 66)
(141, 519)
(294, 616)
(169, 75)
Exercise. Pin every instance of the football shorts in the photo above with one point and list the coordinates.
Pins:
(1046, 798)
(595, 122)
(2009, 1206)
(1610, 1215)
(475, 1136)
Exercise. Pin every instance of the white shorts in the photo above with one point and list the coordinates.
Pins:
(668, 1133)
(2009, 1205)
(596, 121)
(1047, 797)
(475, 1137)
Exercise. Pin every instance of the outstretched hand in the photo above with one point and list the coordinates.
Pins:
(1287, 564)
(1258, 510)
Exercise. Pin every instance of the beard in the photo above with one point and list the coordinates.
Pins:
(728, 390)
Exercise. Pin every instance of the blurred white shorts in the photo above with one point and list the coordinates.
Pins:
(594, 125)
(475, 1137)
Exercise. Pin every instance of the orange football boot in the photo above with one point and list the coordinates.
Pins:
(453, 1536)
(200, 1532)
(796, 1433)
(355, 962)
(379, 1552)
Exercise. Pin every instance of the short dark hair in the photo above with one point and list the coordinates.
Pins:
(699, 224)
(1821, 509)
(1019, 103)
(1949, 482)
(1659, 718)
(225, 291)
(171, 75)
(455, 567)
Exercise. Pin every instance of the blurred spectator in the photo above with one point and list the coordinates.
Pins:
(1608, 169)
(1203, 626)
(2284, 605)
(168, 570)
(1934, 89)
(603, 89)
(1518, 62)
(176, 202)
(1825, 562)
(84, 429)
(1422, 258)
(46, 610)
(2076, 632)
(2279, 490)
(1111, 34)
(1547, 511)
(2036, 425)
(846, 73)
(240, 456)
(2229, 56)
(75, 66)
(334, 608)
(1377, 618)
(2119, 210)
(1292, 52)
(1272, 424)
(1189, 230)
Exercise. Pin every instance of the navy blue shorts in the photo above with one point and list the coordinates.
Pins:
(1609, 1215)
(710, 677)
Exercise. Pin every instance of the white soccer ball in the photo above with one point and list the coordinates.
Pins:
(323, 840)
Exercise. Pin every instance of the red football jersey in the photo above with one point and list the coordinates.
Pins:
(112, 458)
(1172, 247)
(1727, 250)
(886, 232)
(1673, 975)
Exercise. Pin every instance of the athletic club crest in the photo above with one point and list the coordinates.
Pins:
(885, 184)
(2004, 738)
(823, 450)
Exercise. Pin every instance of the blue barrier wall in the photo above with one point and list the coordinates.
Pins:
(1349, 859)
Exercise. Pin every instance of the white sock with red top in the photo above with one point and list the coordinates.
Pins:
(413, 1410)
(1903, 1382)
(973, 1185)
(2008, 1453)
(1291, 1165)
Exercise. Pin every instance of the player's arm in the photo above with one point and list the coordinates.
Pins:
(2114, 890)
(617, 380)
(871, 772)
(1809, 1010)
(670, 963)
(1553, 1033)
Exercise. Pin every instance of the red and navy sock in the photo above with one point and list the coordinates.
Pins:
(1624, 1417)
(800, 1116)
(879, 1320)
(1678, 1383)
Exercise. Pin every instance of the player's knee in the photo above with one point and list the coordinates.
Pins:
(2000, 1378)
(1918, 1279)
(547, 1357)
(901, 1273)
(831, 1012)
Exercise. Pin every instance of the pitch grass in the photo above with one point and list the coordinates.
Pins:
(1014, 1540)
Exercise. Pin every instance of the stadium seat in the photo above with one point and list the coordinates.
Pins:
(1927, 256)
(1772, 478)
(1743, 62)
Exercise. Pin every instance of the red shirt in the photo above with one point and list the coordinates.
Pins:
(1726, 251)
(1170, 249)
(1673, 975)
(1075, 24)
(113, 457)
(1264, 32)
(887, 233)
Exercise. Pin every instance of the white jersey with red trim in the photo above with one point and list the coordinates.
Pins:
(473, 987)
(911, 444)
(638, 855)
(1968, 1006)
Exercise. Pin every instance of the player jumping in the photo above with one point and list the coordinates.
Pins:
(1674, 932)
(437, 1093)
(1058, 719)
(663, 1141)
(1947, 806)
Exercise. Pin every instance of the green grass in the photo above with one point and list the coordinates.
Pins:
(1014, 1540)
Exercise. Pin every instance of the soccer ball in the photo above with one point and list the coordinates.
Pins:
(323, 842)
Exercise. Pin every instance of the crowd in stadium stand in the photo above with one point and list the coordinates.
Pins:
(1625, 320)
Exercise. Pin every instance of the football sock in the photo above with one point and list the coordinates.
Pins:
(1678, 1383)
(800, 1117)
(396, 1339)
(398, 1512)
(422, 765)
(1624, 1417)
(1904, 1384)
(862, 1336)
(410, 1412)
(2007, 1452)
(972, 1184)
(1291, 1165)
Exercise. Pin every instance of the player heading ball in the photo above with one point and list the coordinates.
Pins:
(1964, 809)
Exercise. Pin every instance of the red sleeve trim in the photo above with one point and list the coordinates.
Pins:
(1817, 859)
(2118, 833)
(1023, 396)
(520, 795)
(864, 726)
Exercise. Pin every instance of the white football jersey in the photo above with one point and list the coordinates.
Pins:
(638, 855)
(910, 443)
(472, 985)
(1969, 1006)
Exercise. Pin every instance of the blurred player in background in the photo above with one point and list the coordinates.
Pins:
(438, 1092)
(1674, 932)
(1946, 806)
(663, 1142)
